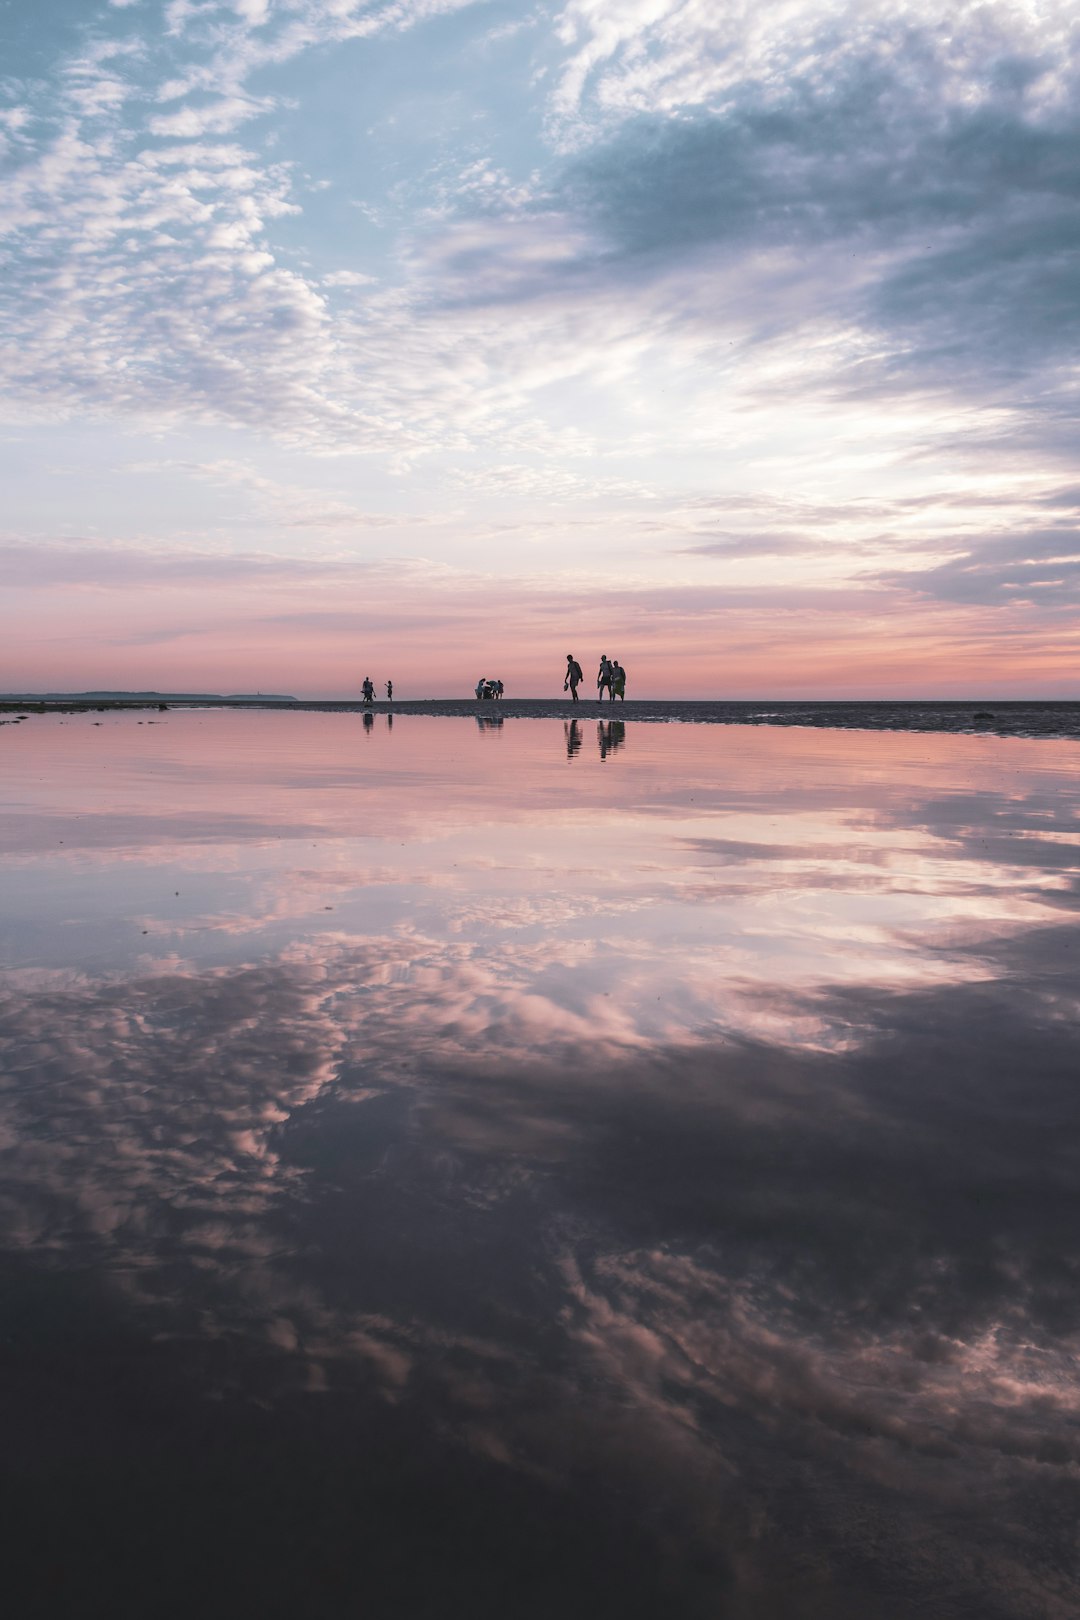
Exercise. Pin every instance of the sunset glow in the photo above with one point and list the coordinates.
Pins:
(430, 339)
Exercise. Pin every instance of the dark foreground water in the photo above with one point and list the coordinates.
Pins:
(538, 1170)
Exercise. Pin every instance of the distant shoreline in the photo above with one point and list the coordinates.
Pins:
(997, 717)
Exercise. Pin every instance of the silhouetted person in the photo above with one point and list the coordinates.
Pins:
(572, 729)
(481, 688)
(389, 691)
(618, 682)
(368, 689)
(603, 678)
(574, 676)
(498, 692)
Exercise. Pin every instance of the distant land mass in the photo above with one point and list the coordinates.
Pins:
(146, 697)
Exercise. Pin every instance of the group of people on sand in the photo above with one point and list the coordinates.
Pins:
(610, 678)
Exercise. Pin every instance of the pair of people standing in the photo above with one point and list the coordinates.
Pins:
(611, 677)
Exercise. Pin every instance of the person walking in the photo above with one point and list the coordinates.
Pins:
(574, 677)
(368, 689)
(618, 682)
(603, 678)
(389, 691)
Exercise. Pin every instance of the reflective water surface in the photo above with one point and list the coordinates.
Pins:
(538, 1168)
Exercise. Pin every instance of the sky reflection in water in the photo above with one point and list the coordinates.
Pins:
(539, 1166)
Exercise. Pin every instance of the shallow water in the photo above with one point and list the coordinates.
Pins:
(527, 1169)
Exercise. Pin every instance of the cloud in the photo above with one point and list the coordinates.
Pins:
(552, 484)
(216, 118)
(750, 545)
(348, 278)
(764, 228)
(1033, 568)
(641, 54)
(151, 286)
(822, 253)
(47, 567)
(901, 216)
(924, 201)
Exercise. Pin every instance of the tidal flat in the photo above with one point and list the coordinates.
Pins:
(538, 1166)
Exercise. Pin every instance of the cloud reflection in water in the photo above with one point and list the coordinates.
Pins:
(718, 1151)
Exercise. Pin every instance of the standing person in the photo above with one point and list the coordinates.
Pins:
(481, 687)
(389, 691)
(574, 676)
(618, 682)
(368, 689)
(498, 689)
(603, 678)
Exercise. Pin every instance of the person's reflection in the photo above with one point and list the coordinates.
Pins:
(488, 722)
(389, 722)
(369, 721)
(611, 734)
(572, 729)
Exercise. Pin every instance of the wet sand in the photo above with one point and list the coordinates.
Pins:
(1058, 718)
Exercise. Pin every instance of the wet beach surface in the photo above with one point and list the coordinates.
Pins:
(1042, 718)
(574, 1166)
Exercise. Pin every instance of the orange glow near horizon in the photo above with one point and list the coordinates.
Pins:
(312, 646)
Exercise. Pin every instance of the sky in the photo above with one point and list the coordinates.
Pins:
(432, 339)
